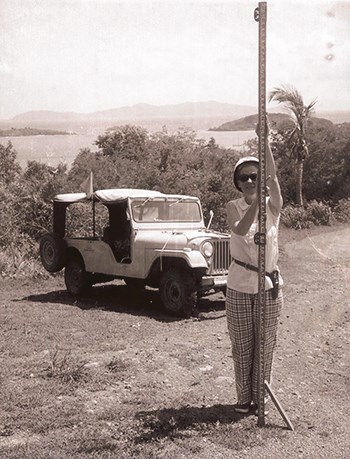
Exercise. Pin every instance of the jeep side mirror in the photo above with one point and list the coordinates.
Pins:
(211, 213)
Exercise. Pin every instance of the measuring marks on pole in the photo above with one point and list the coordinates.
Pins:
(260, 15)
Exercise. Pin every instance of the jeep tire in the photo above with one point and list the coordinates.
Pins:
(178, 292)
(77, 280)
(53, 252)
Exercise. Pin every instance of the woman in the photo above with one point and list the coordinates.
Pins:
(242, 284)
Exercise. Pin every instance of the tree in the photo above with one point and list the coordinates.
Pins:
(127, 142)
(296, 140)
(9, 168)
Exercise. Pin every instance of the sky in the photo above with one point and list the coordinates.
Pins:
(88, 55)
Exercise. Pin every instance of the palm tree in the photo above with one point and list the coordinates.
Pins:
(300, 114)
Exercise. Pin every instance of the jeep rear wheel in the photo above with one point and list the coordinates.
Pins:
(77, 280)
(178, 292)
(53, 252)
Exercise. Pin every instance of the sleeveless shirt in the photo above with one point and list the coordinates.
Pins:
(243, 248)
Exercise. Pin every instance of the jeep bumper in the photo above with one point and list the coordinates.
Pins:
(216, 282)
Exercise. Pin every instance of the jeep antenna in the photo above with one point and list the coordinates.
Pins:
(260, 15)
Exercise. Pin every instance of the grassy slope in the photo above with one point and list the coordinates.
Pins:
(111, 376)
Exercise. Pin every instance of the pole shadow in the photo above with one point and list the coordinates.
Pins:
(173, 422)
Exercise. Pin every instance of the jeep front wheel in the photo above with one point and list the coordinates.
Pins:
(178, 292)
(77, 280)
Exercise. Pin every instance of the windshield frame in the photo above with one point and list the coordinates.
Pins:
(171, 201)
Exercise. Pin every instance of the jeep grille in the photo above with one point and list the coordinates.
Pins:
(222, 257)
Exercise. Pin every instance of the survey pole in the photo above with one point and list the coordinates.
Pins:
(260, 15)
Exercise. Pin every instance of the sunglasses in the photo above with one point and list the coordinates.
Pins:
(245, 177)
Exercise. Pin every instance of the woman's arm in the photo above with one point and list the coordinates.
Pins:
(276, 200)
(242, 225)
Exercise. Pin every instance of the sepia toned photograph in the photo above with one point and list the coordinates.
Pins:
(174, 229)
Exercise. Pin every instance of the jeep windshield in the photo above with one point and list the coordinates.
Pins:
(166, 210)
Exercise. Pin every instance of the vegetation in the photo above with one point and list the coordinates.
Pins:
(16, 132)
(295, 137)
(130, 156)
(249, 123)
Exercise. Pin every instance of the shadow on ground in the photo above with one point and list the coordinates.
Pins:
(171, 422)
(121, 299)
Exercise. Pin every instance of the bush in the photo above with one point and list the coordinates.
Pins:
(314, 213)
(20, 259)
(295, 217)
(319, 213)
(342, 211)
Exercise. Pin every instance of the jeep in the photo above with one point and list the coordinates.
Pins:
(148, 239)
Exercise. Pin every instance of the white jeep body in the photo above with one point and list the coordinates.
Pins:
(152, 238)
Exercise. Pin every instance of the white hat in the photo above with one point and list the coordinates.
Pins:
(245, 160)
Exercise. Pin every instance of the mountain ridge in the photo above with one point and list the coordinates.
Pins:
(143, 110)
(198, 115)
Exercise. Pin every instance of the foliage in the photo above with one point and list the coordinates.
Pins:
(319, 213)
(313, 213)
(79, 221)
(26, 208)
(30, 131)
(295, 135)
(9, 168)
(250, 122)
(342, 210)
(327, 167)
(295, 217)
(126, 142)
(175, 162)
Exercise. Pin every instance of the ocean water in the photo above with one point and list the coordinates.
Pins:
(55, 149)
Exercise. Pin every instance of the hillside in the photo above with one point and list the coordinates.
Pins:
(248, 123)
(196, 115)
(142, 111)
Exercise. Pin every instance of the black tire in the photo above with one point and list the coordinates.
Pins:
(178, 291)
(53, 252)
(77, 280)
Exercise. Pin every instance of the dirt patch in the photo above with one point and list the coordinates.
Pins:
(112, 376)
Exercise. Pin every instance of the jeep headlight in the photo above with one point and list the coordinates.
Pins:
(207, 249)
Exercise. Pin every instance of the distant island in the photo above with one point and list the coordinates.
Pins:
(248, 123)
(18, 132)
(276, 121)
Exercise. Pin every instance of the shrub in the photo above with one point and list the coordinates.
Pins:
(314, 213)
(319, 213)
(295, 217)
(20, 258)
(342, 210)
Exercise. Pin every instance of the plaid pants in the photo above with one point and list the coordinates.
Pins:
(242, 321)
